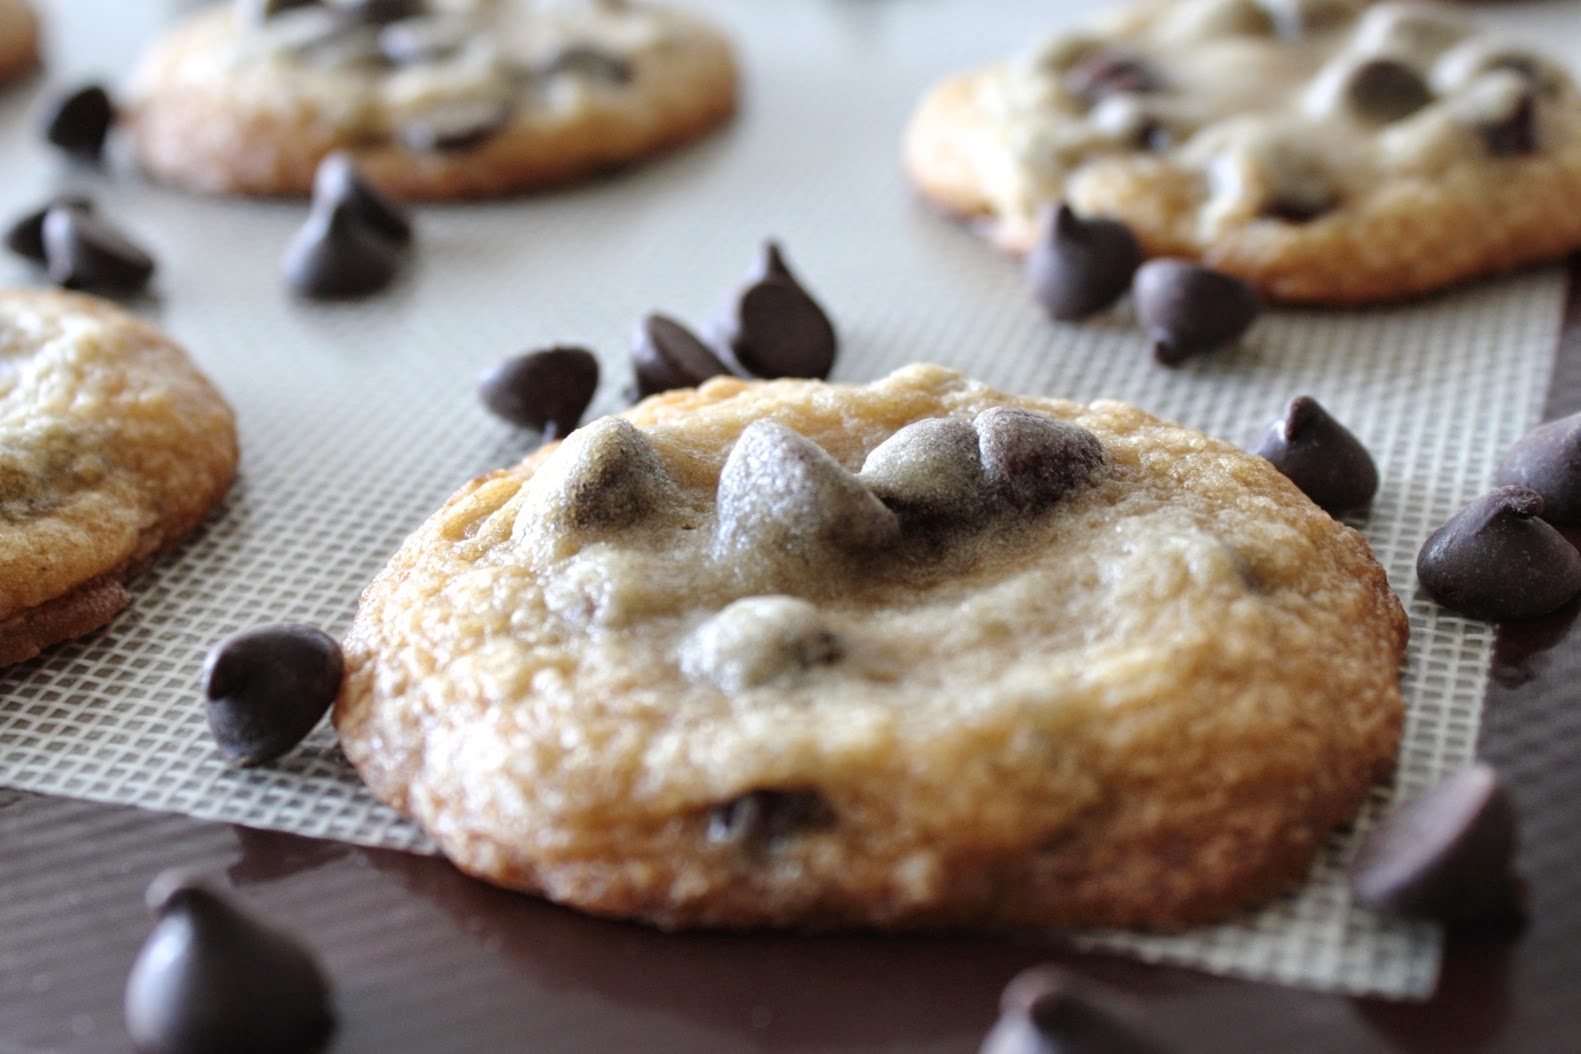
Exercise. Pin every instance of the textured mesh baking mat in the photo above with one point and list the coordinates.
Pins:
(358, 420)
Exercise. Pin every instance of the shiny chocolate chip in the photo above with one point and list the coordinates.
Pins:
(665, 355)
(337, 255)
(768, 819)
(1032, 460)
(1385, 89)
(1320, 456)
(1106, 73)
(773, 327)
(547, 390)
(1548, 460)
(338, 182)
(1189, 309)
(78, 121)
(588, 62)
(1497, 560)
(1081, 266)
(266, 687)
(1446, 855)
(83, 250)
(210, 977)
(1045, 1010)
(458, 126)
(25, 236)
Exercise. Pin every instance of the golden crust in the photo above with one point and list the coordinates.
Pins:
(1151, 717)
(18, 38)
(113, 446)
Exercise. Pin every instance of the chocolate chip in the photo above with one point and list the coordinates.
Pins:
(546, 390)
(1106, 73)
(210, 977)
(757, 640)
(767, 819)
(1046, 1011)
(1548, 460)
(79, 121)
(606, 475)
(1515, 133)
(425, 39)
(1496, 560)
(1446, 855)
(85, 251)
(1384, 90)
(457, 126)
(381, 12)
(589, 62)
(336, 254)
(931, 469)
(25, 237)
(338, 182)
(267, 687)
(1032, 460)
(256, 11)
(1320, 456)
(1189, 309)
(1081, 266)
(774, 328)
(665, 355)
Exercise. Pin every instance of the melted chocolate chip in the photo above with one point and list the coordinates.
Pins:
(1548, 460)
(267, 687)
(457, 126)
(767, 819)
(1032, 460)
(338, 182)
(79, 121)
(589, 62)
(1446, 855)
(1081, 266)
(1106, 73)
(1320, 456)
(1046, 1011)
(665, 355)
(606, 475)
(1384, 90)
(760, 639)
(546, 390)
(1496, 560)
(212, 978)
(25, 236)
(929, 469)
(84, 251)
(774, 327)
(1189, 309)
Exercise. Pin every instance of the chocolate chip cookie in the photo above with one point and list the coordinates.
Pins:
(436, 100)
(112, 447)
(18, 38)
(915, 653)
(1325, 150)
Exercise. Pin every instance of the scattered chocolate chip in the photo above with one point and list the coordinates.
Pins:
(1032, 460)
(1320, 456)
(1189, 309)
(774, 327)
(546, 390)
(336, 254)
(587, 61)
(665, 355)
(1106, 73)
(266, 687)
(1548, 460)
(84, 251)
(79, 121)
(338, 182)
(428, 38)
(1446, 855)
(1081, 266)
(603, 476)
(929, 468)
(1496, 560)
(757, 640)
(767, 819)
(1046, 1011)
(457, 126)
(1384, 90)
(212, 978)
(25, 237)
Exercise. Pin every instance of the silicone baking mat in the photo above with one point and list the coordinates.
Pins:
(357, 420)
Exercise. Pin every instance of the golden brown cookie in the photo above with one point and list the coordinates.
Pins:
(437, 100)
(915, 653)
(18, 38)
(1324, 151)
(112, 447)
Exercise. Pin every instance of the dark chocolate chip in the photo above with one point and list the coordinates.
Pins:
(25, 237)
(1383, 89)
(1046, 1011)
(1032, 460)
(1496, 560)
(457, 126)
(1081, 266)
(1300, 208)
(774, 328)
(336, 254)
(546, 390)
(665, 355)
(212, 978)
(381, 12)
(1189, 309)
(1514, 134)
(79, 121)
(1548, 460)
(1446, 855)
(1106, 73)
(931, 469)
(587, 61)
(768, 818)
(267, 687)
(1320, 456)
(255, 11)
(607, 475)
(338, 181)
(416, 40)
(85, 251)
